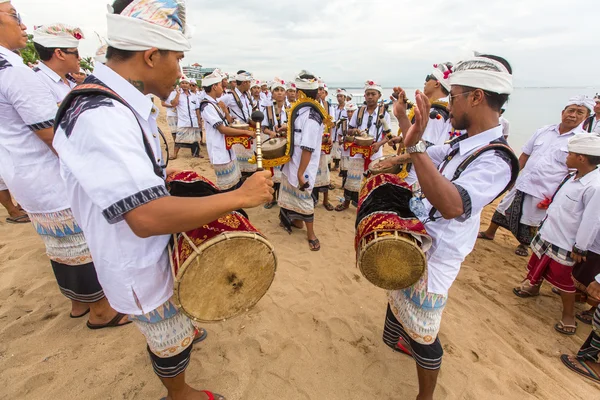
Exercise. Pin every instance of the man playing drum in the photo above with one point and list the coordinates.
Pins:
(125, 211)
(452, 208)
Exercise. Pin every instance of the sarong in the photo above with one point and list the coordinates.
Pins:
(419, 311)
(228, 175)
(169, 334)
(277, 174)
(336, 152)
(590, 351)
(552, 263)
(518, 213)
(585, 272)
(69, 255)
(323, 177)
(172, 121)
(243, 155)
(188, 136)
(294, 204)
(356, 169)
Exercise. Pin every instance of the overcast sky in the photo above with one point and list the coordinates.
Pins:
(395, 42)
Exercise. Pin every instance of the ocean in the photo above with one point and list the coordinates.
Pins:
(527, 110)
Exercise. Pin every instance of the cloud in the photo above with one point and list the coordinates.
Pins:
(548, 43)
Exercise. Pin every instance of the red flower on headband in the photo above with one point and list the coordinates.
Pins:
(77, 35)
(294, 85)
(371, 83)
(435, 65)
(447, 73)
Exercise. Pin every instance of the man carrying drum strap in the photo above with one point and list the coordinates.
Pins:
(117, 194)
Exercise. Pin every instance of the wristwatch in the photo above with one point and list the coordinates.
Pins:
(417, 148)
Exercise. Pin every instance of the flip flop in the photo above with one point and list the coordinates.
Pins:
(315, 245)
(482, 235)
(519, 292)
(588, 373)
(587, 317)
(21, 219)
(270, 205)
(341, 207)
(202, 335)
(560, 328)
(328, 207)
(113, 323)
(522, 251)
(331, 186)
(211, 396)
(79, 316)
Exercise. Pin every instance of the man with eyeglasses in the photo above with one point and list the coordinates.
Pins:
(30, 168)
(451, 204)
(543, 167)
(370, 119)
(56, 46)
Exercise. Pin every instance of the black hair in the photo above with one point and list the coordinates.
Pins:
(500, 60)
(45, 53)
(312, 93)
(207, 89)
(593, 160)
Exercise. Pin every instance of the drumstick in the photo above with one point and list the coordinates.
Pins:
(257, 118)
(386, 127)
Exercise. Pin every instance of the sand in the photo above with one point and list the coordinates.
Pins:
(315, 335)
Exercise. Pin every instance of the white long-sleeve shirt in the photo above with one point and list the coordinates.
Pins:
(573, 218)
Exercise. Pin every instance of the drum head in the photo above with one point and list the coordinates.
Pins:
(231, 274)
(274, 143)
(392, 262)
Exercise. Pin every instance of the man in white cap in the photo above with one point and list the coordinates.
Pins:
(240, 107)
(188, 119)
(275, 125)
(592, 124)
(255, 95)
(299, 174)
(323, 179)
(57, 46)
(126, 211)
(217, 128)
(351, 108)
(543, 167)
(265, 94)
(171, 110)
(452, 203)
(340, 118)
(569, 230)
(30, 169)
(290, 94)
(372, 118)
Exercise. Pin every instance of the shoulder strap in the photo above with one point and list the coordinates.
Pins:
(380, 112)
(589, 124)
(95, 89)
(270, 117)
(239, 103)
(360, 116)
(204, 103)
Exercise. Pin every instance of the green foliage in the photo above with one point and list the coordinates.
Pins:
(87, 64)
(28, 53)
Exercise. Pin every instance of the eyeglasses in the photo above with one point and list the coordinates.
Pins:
(75, 52)
(430, 77)
(16, 16)
(456, 95)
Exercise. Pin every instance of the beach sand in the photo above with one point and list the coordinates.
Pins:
(315, 335)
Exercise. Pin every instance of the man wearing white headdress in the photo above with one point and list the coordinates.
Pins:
(351, 108)
(30, 168)
(323, 179)
(569, 230)
(451, 205)
(592, 124)
(188, 119)
(373, 119)
(57, 46)
(299, 174)
(126, 211)
(275, 125)
(340, 118)
(171, 110)
(265, 94)
(290, 94)
(543, 167)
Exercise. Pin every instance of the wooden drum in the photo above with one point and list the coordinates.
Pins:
(221, 269)
(274, 148)
(375, 169)
(390, 240)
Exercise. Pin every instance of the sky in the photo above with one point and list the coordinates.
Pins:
(549, 43)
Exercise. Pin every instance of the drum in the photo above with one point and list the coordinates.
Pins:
(349, 139)
(375, 169)
(274, 148)
(390, 240)
(223, 268)
(364, 141)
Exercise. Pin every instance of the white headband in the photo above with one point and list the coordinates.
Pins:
(441, 73)
(306, 84)
(244, 77)
(582, 100)
(585, 143)
(351, 107)
(278, 83)
(215, 77)
(341, 92)
(256, 83)
(372, 85)
(57, 36)
(499, 81)
(136, 34)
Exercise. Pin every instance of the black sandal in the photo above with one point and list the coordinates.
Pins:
(113, 323)
(315, 245)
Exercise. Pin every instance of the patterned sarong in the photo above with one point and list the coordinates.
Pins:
(172, 121)
(590, 351)
(228, 175)
(243, 155)
(511, 219)
(294, 204)
(169, 334)
(323, 179)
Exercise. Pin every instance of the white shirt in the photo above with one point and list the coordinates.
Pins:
(171, 111)
(27, 165)
(308, 133)
(266, 98)
(505, 127)
(337, 114)
(215, 140)
(278, 123)
(186, 110)
(244, 113)
(59, 87)
(107, 174)
(546, 166)
(573, 218)
(370, 128)
(479, 185)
